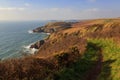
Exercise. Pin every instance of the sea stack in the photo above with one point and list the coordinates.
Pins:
(38, 44)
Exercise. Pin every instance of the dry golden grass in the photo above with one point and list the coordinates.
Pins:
(105, 28)
(62, 44)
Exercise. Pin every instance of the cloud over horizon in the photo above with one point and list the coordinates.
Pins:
(57, 10)
(27, 4)
(11, 8)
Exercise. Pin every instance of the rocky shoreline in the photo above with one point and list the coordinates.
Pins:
(37, 44)
(50, 28)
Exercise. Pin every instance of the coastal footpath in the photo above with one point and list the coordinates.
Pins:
(83, 50)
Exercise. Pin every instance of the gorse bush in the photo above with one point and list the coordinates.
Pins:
(81, 66)
(65, 59)
(25, 69)
(63, 66)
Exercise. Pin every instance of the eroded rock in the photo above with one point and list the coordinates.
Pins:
(38, 44)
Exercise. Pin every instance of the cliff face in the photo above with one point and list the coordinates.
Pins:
(103, 28)
(63, 44)
(79, 32)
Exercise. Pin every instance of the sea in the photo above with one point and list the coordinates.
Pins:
(17, 36)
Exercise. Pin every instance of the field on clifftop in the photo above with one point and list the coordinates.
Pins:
(87, 50)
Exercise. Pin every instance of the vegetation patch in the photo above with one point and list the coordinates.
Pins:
(81, 67)
(111, 59)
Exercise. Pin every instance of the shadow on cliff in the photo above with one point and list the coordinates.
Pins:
(106, 70)
(102, 69)
(89, 67)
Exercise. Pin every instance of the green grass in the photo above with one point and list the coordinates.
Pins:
(111, 59)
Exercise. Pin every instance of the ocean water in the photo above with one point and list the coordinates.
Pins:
(15, 37)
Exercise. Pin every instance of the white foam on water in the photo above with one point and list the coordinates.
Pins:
(30, 31)
(27, 49)
(48, 33)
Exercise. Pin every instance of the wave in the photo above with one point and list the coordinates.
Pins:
(27, 49)
(30, 31)
(45, 33)
(48, 33)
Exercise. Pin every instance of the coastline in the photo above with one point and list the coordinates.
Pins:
(33, 50)
(78, 49)
(49, 28)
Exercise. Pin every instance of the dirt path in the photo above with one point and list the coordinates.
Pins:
(94, 72)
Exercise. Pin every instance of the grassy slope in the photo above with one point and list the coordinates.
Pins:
(110, 65)
(105, 34)
(111, 61)
(81, 68)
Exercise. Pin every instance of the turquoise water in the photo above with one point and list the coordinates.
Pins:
(14, 37)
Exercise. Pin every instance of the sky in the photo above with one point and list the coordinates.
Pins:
(17, 10)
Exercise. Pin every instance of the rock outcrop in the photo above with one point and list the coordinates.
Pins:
(38, 44)
(53, 27)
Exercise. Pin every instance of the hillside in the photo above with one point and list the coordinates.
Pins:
(85, 50)
(104, 33)
(101, 28)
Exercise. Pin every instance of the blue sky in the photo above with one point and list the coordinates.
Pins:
(58, 9)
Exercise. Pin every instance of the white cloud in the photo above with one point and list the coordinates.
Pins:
(54, 9)
(64, 13)
(89, 13)
(54, 14)
(92, 10)
(50, 13)
(27, 4)
(11, 9)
